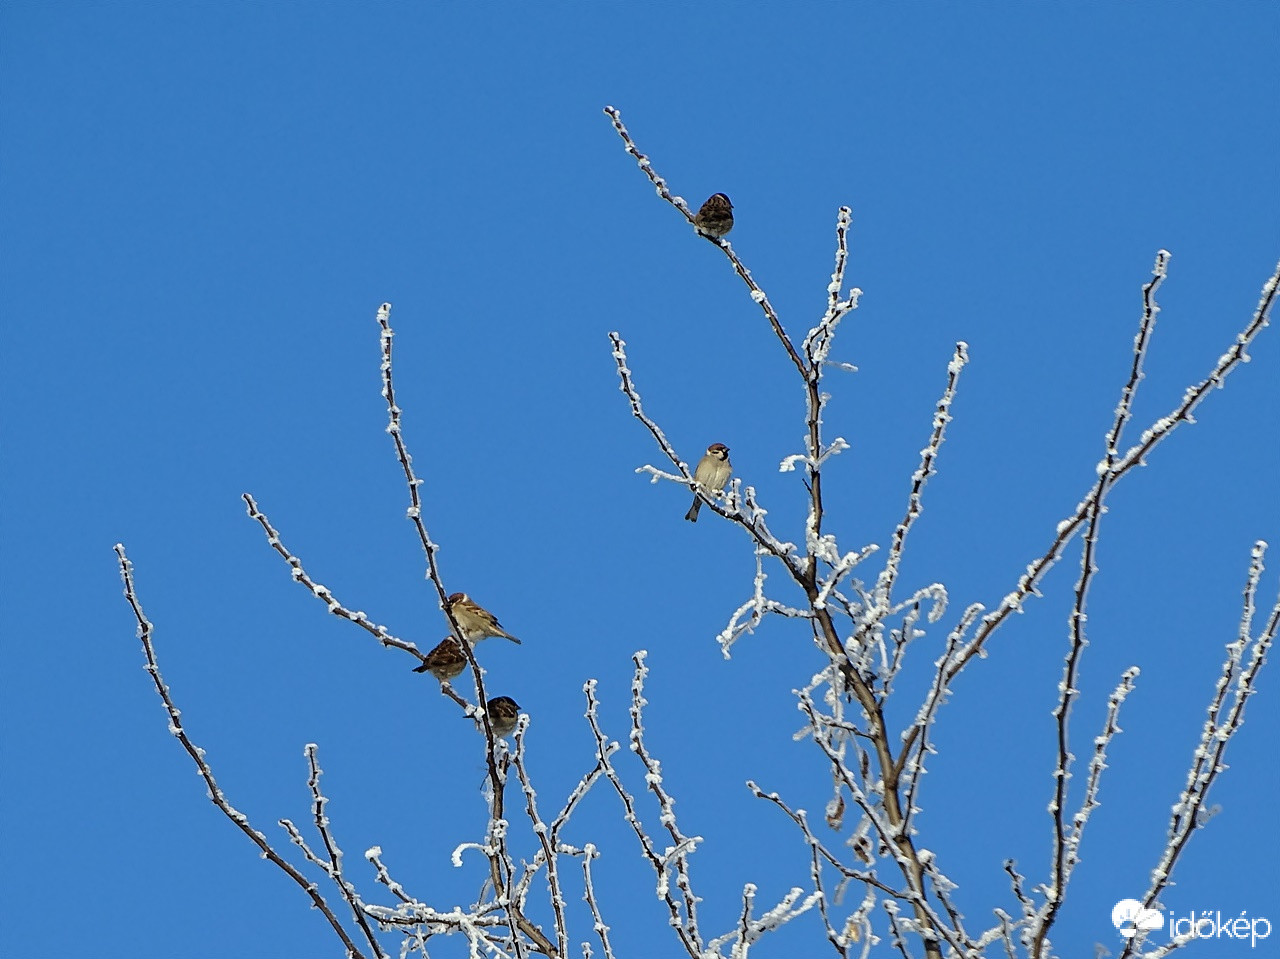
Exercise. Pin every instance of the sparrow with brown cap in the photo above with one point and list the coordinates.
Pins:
(715, 218)
(504, 713)
(474, 620)
(445, 662)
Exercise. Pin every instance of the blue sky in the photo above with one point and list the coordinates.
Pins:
(207, 202)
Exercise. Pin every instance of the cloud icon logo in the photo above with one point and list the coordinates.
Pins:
(1129, 918)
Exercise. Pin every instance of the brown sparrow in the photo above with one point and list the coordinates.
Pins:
(475, 621)
(715, 218)
(444, 662)
(712, 473)
(503, 714)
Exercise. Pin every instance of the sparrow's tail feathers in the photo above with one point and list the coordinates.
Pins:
(692, 515)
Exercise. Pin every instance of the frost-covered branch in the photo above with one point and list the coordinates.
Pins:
(818, 547)
(1029, 582)
(419, 922)
(884, 780)
(1236, 683)
(750, 929)
(1228, 362)
(318, 590)
(334, 866)
(219, 799)
(928, 457)
(758, 605)
(501, 864)
(757, 294)
(886, 819)
(817, 343)
(679, 917)
(549, 853)
(750, 516)
(412, 481)
(913, 768)
(682, 846)
(628, 388)
(1067, 835)
(821, 852)
(593, 901)
(1064, 849)
(1101, 743)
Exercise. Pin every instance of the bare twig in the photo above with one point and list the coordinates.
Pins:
(679, 918)
(500, 862)
(928, 457)
(593, 902)
(757, 294)
(239, 819)
(1162, 428)
(550, 854)
(1063, 860)
(1236, 683)
(681, 845)
(334, 865)
(319, 591)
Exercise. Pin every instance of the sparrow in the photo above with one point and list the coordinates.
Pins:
(712, 472)
(715, 218)
(503, 714)
(444, 662)
(475, 621)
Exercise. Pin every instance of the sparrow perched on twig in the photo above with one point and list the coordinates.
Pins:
(503, 714)
(715, 218)
(444, 662)
(712, 473)
(475, 621)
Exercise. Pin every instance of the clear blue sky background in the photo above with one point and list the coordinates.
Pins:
(205, 204)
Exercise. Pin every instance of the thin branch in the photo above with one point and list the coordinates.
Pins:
(801, 820)
(752, 521)
(549, 854)
(1061, 868)
(928, 457)
(757, 294)
(604, 753)
(1016, 880)
(239, 819)
(589, 894)
(924, 721)
(334, 867)
(1067, 528)
(501, 866)
(320, 592)
(682, 845)
(817, 343)
(1236, 683)
(887, 820)
(1110, 729)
